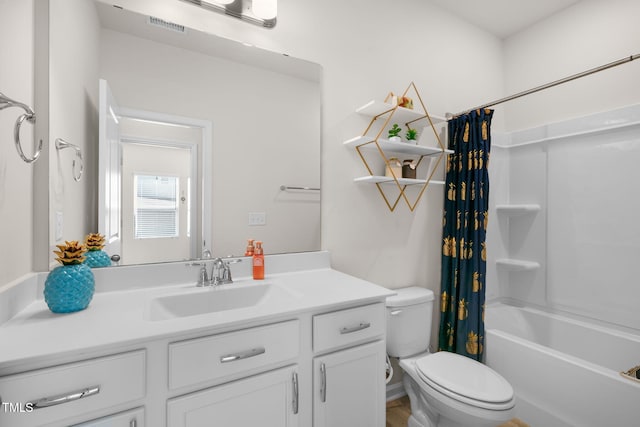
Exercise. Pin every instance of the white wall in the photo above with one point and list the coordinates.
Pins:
(16, 176)
(73, 116)
(589, 34)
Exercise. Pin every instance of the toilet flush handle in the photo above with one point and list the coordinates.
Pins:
(395, 312)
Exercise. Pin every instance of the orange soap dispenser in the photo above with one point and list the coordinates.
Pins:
(250, 248)
(258, 261)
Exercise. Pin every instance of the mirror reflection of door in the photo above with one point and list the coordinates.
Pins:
(156, 201)
(154, 170)
(109, 170)
(159, 206)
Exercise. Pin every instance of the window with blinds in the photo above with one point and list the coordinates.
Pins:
(155, 206)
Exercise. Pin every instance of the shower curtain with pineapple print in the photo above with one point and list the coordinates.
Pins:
(466, 205)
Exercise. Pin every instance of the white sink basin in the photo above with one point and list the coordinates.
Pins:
(216, 299)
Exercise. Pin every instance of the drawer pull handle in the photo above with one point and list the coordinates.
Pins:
(361, 326)
(242, 355)
(65, 398)
(323, 383)
(295, 392)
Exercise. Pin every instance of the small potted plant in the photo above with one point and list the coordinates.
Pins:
(412, 136)
(394, 133)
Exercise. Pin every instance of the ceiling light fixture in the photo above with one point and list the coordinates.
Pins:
(258, 12)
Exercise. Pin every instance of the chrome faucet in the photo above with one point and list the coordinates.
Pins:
(203, 275)
(221, 265)
(224, 271)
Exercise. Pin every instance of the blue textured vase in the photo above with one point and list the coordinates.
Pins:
(69, 288)
(97, 259)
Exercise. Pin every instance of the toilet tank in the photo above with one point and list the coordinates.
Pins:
(409, 321)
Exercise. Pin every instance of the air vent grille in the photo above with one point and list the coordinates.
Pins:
(166, 24)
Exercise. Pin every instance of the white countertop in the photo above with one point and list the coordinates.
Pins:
(121, 318)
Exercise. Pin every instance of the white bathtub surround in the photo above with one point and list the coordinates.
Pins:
(564, 237)
(566, 371)
(577, 251)
(162, 361)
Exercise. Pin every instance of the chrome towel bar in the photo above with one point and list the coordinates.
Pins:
(61, 144)
(30, 116)
(288, 187)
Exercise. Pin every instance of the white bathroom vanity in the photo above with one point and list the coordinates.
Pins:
(304, 347)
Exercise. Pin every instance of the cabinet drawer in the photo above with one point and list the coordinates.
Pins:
(46, 396)
(133, 418)
(347, 327)
(231, 355)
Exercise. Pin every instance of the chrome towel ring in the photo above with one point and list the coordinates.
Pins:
(61, 144)
(30, 116)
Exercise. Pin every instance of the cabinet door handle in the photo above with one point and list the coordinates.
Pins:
(133, 423)
(323, 383)
(242, 355)
(395, 312)
(350, 329)
(295, 392)
(66, 397)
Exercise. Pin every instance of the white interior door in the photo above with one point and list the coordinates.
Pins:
(156, 202)
(109, 171)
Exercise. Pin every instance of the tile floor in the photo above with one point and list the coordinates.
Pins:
(398, 412)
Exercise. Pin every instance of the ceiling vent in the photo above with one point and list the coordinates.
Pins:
(172, 26)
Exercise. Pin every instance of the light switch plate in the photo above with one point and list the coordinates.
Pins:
(59, 225)
(257, 218)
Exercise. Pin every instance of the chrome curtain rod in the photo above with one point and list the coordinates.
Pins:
(548, 85)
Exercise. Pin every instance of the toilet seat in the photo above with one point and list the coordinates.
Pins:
(465, 380)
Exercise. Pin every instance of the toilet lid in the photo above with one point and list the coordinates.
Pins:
(464, 377)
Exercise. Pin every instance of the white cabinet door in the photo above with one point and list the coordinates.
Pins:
(349, 388)
(265, 400)
(133, 418)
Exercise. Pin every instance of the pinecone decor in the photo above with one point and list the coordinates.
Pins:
(69, 287)
(96, 257)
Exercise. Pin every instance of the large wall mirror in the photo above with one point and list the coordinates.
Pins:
(225, 132)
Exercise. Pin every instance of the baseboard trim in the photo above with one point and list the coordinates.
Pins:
(395, 391)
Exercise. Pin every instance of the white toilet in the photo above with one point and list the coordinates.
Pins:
(445, 389)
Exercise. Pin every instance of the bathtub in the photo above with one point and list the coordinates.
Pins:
(565, 372)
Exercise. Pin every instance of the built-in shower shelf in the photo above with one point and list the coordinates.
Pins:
(517, 209)
(517, 264)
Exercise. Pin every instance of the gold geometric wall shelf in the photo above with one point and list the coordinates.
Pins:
(383, 114)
